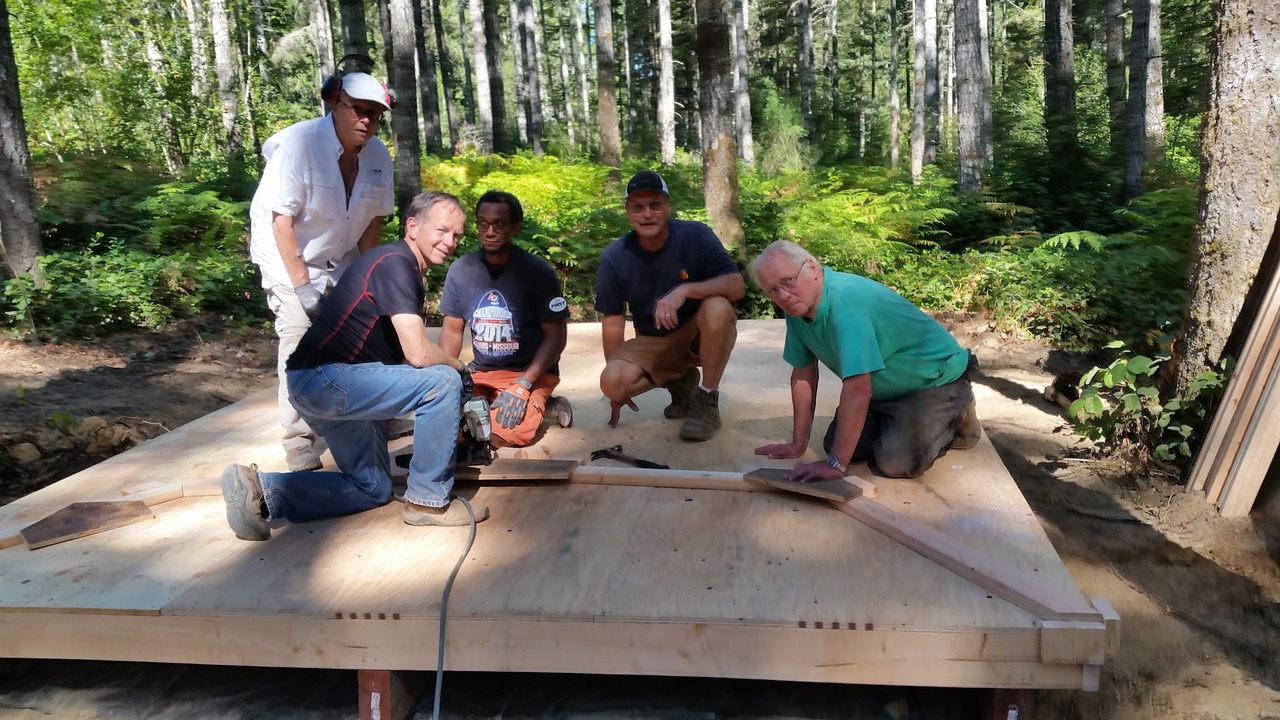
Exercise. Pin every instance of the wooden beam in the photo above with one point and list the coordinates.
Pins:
(835, 489)
(967, 562)
(1258, 443)
(680, 479)
(1073, 642)
(80, 519)
(1112, 620)
(509, 469)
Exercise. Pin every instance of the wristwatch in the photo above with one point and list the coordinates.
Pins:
(834, 462)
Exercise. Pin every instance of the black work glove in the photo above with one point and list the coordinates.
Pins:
(468, 384)
(512, 403)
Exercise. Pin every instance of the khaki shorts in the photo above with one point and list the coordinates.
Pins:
(663, 358)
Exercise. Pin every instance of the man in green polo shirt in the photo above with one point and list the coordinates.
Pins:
(905, 395)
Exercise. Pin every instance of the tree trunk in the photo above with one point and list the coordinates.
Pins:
(518, 74)
(533, 81)
(580, 71)
(895, 103)
(324, 37)
(607, 86)
(171, 141)
(388, 60)
(355, 37)
(973, 94)
(227, 90)
(199, 53)
(1115, 74)
(1144, 114)
(741, 89)
(917, 91)
(480, 64)
(931, 104)
(833, 66)
(426, 82)
(19, 232)
(260, 41)
(468, 88)
(1060, 83)
(566, 85)
(947, 118)
(446, 75)
(627, 62)
(716, 106)
(550, 108)
(404, 121)
(805, 10)
(1238, 207)
(497, 94)
(666, 86)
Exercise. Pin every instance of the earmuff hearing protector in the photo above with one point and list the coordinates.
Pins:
(331, 88)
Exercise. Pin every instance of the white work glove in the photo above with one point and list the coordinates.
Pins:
(310, 298)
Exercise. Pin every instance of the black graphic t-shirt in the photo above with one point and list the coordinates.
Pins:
(504, 306)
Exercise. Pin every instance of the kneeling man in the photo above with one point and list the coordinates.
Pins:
(905, 395)
(366, 358)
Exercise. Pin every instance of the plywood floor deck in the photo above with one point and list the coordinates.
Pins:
(574, 578)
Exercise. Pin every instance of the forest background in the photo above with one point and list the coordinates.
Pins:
(1087, 172)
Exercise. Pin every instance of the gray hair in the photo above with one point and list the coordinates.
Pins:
(785, 248)
(423, 202)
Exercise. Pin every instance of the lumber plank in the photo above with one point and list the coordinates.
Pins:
(833, 489)
(643, 477)
(1073, 642)
(509, 469)
(958, 557)
(78, 520)
(1257, 450)
(1112, 620)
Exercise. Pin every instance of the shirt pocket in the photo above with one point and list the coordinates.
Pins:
(324, 198)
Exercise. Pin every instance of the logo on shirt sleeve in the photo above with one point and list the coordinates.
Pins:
(557, 304)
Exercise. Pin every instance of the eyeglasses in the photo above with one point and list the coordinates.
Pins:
(497, 225)
(787, 284)
(365, 112)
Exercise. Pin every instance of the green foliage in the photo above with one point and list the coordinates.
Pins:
(1123, 407)
(781, 145)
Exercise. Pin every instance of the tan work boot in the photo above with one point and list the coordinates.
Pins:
(968, 429)
(704, 415)
(681, 390)
(451, 515)
(301, 459)
(560, 410)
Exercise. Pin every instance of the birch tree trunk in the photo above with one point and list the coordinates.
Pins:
(716, 106)
(480, 63)
(566, 83)
(517, 73)
(580, 67)
(607, 86)
(199, 53)
(741, 88)
(917, 91)
(833, 66)
(1115, 74)
(805, 10)
(895, 103)
(468, 89)
(1060, 82)
(973, 91)
(666, 86)
(355, 36)
(497, 94)
(19, 232)
(1144, 113)
(227, 89)
(404, 121)
(171, 142)
(931, 105)
(426, 82)
(446, 75)
(947, 118)
(324, 37)
(1238, 210)
(533, 83)
(627, 61)
(260, 40)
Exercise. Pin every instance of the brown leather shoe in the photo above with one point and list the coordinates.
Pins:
(451, 515)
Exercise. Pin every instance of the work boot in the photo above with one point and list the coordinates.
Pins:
(302, 458)
(559, 409)
(704, 416)
(680, 390)
(968, 429)
(242, 491)
(451, 515)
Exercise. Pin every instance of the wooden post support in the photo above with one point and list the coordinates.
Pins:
(1011, 704)
(388, 694)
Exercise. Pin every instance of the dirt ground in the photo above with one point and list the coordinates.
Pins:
(1199, 595)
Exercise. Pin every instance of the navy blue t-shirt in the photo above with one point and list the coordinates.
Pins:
(504, 306)
(354, 323)
(631, 275)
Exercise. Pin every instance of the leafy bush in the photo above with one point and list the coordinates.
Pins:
(1121, 406)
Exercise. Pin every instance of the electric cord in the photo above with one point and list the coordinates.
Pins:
(444, 606)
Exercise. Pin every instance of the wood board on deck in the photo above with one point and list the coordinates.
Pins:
(614, 577)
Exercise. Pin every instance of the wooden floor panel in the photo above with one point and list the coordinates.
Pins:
(563, 577)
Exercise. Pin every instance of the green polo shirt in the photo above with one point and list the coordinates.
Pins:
(862, 326)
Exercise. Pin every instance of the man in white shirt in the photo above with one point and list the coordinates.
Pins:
(323, 194)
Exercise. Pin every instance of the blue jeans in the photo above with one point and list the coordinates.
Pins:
(347, 405)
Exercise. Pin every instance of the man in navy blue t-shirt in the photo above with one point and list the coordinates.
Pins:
(510, 299)
(365, 359)
(679, 285)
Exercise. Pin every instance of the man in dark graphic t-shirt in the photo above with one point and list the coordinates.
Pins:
(511, 302)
